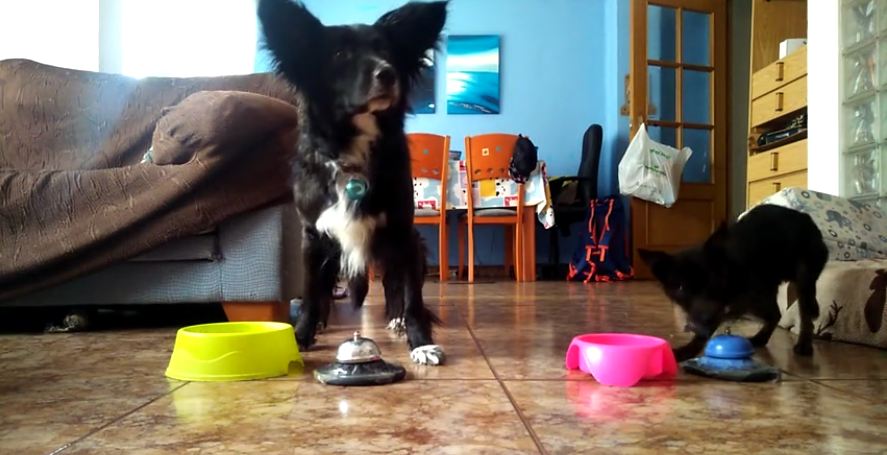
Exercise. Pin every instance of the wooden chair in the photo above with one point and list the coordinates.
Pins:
(429, 154)
(487, 157)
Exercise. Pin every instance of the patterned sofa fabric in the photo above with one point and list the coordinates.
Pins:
(852, 297)
(852, 230)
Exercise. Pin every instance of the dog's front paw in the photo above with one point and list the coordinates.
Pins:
(305, 336)
(682, 354)
(397, 325)
(804, 349)
(305, 342)
(430, 354)
(759, 341)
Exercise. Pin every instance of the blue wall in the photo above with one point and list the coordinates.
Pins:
(561, 66)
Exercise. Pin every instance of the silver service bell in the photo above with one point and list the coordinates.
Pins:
(358, 350)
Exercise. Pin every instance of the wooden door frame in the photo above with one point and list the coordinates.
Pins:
(638, 61)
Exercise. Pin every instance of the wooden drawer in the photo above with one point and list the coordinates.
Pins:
(784, 100)
(779, 73)
(779, 161)
(763, 188)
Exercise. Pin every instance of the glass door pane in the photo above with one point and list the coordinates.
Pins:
(661, 33)
(695, 36)
(696, 97)
(664, 135)
(680, 90)
(661, 93)
(698, 168)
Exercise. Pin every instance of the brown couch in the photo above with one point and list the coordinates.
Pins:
(85, 219)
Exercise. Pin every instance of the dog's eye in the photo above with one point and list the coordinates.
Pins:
(340, 54)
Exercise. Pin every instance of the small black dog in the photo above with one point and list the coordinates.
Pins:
(738, 271)
(354, 83)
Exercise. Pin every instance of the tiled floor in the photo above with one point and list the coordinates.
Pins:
(504, 390)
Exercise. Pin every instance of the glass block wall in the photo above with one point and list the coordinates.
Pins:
(864, 99)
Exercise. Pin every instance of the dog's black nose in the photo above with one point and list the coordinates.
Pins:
(385, 75)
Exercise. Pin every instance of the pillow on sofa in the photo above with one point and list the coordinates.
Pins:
(852, 230)
(207, 120)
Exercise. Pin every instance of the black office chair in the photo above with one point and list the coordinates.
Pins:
(570, 197)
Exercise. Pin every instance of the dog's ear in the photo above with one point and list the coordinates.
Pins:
(412, 30)
(660, 263)
(294, 37)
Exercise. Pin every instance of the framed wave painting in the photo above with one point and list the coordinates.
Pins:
(423, 92)
(473, 74)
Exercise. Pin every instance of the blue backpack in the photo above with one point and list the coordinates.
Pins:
(602, 252)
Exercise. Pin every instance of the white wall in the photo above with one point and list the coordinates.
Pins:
(181, 38)
(823, 96)
(56, 32)
(134, 37)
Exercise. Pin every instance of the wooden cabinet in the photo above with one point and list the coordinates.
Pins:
(787, 159)
(759, 189)
(778, 93)
(776, 74)
(785, 99)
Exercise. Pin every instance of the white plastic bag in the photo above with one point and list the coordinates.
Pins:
(652, 171)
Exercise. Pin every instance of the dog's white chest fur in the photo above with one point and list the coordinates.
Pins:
(353, 233)
(340, 221)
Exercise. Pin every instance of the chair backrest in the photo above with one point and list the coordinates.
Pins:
(487, 157)
(429, 154)
(588, 167)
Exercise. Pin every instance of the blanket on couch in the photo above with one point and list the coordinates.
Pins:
(74, 194)
(852, 290)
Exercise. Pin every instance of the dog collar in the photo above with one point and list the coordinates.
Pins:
(356, 189)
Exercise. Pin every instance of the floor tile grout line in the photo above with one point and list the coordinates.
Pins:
(875, 378)
(517, 410)
(115, 420)
(822, 382)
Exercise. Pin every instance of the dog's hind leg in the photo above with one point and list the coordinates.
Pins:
(808, 311)
(321, 261)
(808, 307)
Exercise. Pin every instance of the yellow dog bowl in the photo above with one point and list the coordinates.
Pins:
(233, 351)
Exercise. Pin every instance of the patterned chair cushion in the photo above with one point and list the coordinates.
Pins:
(425, 212)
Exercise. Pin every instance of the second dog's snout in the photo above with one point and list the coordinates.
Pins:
(385, 75)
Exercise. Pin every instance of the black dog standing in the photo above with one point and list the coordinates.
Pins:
(355, 82)
(738, 271)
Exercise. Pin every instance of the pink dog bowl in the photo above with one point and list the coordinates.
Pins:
(621, 359)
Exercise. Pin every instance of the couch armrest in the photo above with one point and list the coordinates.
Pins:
(261, 256)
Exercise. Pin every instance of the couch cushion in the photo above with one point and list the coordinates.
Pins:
(852, 230)
(194, 248)
(208, 123)
(851, 303)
